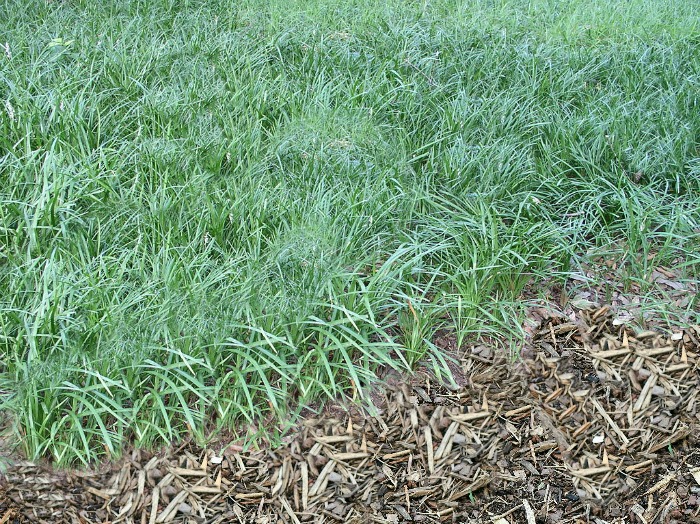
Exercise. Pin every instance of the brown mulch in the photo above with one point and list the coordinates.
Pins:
(594, 422)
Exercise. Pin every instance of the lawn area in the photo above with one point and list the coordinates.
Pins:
(213, 213)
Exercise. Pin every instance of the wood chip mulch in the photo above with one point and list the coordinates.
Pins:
(594, 423)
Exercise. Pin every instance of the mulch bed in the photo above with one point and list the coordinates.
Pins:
(595, 422)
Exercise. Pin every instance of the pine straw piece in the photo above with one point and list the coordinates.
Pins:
(594, 422)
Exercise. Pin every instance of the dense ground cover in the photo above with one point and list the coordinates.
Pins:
(212, 213)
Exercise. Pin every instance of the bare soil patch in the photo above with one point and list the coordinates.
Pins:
(595, 422)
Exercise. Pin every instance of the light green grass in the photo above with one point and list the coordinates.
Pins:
(213, 212)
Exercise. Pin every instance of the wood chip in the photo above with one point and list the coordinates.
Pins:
(429, 449)
(611, 424)
(529, 514)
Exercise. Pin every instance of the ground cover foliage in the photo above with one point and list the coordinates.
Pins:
(213, 213)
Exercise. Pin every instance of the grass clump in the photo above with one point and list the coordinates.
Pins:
(210, 215)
